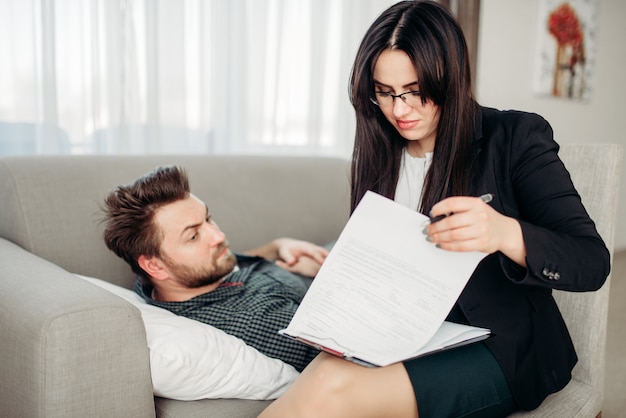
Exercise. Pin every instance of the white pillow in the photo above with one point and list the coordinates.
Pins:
(190, 360)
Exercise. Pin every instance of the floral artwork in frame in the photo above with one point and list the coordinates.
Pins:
(567, 48)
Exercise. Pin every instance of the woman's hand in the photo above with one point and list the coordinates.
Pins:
(473, 225)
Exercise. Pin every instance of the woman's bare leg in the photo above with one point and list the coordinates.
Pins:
(332, 387)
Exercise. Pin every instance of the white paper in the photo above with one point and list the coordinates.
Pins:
(383, 291)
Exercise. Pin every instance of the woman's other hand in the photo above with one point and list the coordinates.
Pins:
(473, 225)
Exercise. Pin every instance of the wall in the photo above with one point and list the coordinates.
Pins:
(506, 54)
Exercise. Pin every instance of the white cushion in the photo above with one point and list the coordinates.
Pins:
(190, 360)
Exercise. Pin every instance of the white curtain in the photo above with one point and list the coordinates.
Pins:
(179, 76)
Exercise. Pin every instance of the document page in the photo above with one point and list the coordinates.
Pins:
(383, 291)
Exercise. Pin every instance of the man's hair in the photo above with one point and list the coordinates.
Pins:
(129, 212)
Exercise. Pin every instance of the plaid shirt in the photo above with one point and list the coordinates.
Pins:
(253, 304)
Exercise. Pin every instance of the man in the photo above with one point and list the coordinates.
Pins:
(184, 264)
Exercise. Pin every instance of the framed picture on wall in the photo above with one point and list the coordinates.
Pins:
(566, 49)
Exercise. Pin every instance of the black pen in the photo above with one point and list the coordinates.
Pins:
(487, 197)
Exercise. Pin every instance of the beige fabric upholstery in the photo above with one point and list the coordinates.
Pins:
(253, 199)
(596, 171)
(70, 349)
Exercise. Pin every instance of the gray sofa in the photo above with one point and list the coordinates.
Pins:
(72, 349)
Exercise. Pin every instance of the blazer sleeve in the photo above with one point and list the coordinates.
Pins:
(563, 248)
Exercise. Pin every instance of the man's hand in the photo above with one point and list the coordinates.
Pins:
(305, 266)
(296, 256)
(290, 250)
(301, 257)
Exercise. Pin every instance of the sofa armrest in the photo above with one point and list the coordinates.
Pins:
(68, 348)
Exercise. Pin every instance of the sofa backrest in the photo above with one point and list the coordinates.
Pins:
(50, 205)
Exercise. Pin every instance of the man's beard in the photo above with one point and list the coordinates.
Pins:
(203, 275)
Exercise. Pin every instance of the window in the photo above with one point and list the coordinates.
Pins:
(191, 76)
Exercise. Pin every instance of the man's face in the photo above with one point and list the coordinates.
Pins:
(193, 248)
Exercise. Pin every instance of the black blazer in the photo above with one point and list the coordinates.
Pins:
(516, 159)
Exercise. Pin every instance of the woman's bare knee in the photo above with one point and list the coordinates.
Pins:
(328, 381)
(333, 387)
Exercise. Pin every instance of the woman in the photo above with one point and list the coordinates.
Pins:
(422, 140)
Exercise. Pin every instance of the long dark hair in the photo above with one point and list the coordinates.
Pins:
(433, 40)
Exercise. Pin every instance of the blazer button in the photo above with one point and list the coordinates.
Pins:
(557, 276)
(546, 272)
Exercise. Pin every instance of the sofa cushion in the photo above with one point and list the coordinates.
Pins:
(190, 360)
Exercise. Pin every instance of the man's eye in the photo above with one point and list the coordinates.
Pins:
(383, 93)
(416, 93)
(193, 237)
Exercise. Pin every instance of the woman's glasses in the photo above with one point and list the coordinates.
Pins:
(386, 99)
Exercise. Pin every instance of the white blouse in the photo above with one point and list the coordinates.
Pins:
(411, 182)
